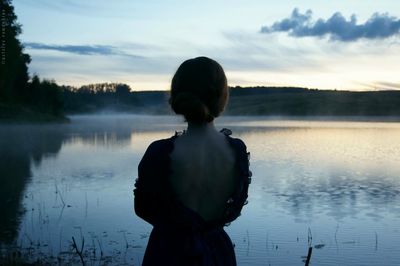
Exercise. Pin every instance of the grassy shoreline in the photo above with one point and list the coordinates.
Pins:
(15, 114)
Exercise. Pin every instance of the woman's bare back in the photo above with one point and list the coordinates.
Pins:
(203, 172)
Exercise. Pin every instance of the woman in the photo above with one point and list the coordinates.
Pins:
(193, 184)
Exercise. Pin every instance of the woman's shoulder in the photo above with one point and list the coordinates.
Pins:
(166, 145)
(156, 153)
(242, 155)
(236, 142)
(161, 145)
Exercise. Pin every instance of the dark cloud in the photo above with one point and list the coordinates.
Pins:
(75, 49)
(337, 27)
(79, 49)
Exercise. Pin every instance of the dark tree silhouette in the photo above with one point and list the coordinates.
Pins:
(14, 62)
(100, 96)
(20, 98)
(45, 96)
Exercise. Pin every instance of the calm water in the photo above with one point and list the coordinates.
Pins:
(332, 185)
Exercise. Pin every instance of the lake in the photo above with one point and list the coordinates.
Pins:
(334, 186)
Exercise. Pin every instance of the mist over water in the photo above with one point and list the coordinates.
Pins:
(338, 181)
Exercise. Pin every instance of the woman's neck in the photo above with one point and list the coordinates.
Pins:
(194, 128)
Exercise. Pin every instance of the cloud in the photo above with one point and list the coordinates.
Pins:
(97, 9)
(79, 49)
(387, 85)
(76, 49)
(72, 6)
(378, 26)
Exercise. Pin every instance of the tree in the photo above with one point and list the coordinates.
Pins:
(14, 75)
(122, 91)
(45, 96)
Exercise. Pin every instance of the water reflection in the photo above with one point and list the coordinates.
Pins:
(104, 138)
(19, 145)
(340, 198)
(22, 146)
(303, 172)
(340, 173)
(117, 130)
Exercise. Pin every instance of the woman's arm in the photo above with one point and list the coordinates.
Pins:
(239, 197)
(149, 191)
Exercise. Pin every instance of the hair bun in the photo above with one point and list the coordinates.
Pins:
(191, 107)
(199, 90)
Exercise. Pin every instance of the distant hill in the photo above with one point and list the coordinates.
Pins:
(312, 102)
(286, 101)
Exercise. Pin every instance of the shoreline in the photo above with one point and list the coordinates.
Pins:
(321, 118)
(19, 115)
(14, 114)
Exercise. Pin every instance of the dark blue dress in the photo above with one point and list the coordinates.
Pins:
(180, 236)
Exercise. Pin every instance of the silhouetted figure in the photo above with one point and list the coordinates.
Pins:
(194, 183)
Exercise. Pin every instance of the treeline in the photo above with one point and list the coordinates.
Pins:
(112, 97)
(93, 97)
(286, 101)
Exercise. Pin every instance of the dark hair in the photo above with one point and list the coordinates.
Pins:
(199, 90)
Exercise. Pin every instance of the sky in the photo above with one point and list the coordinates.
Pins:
(343, 45)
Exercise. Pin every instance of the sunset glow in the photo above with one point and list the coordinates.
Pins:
(259, 43)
